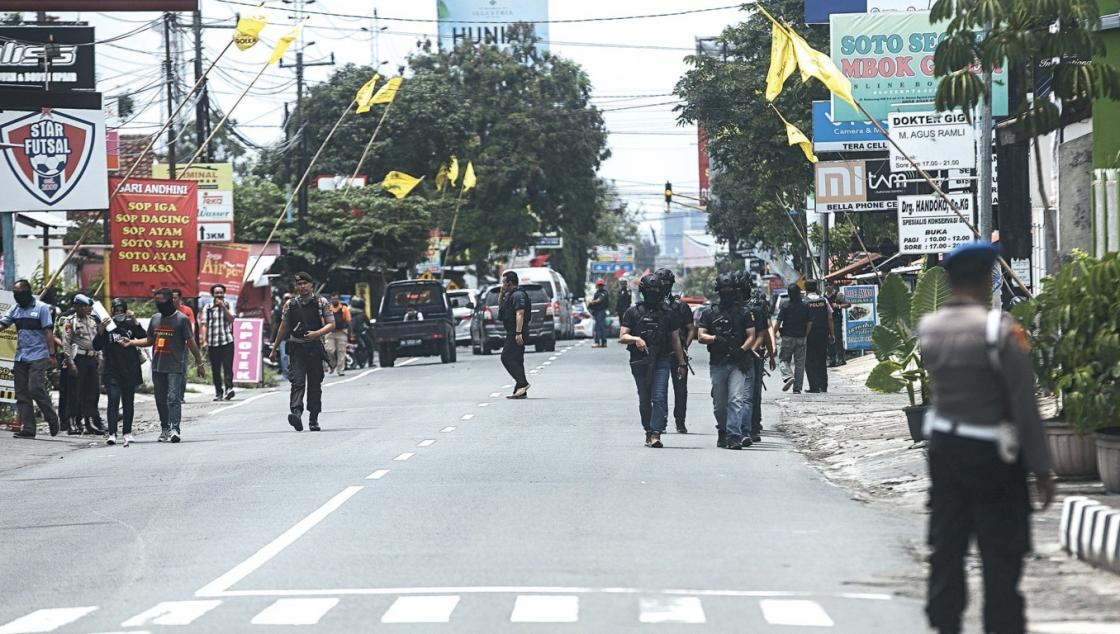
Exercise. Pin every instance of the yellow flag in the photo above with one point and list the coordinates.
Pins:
(782, 62)
(814, 63)
(453, 172)
(441, 177)
(284, 43)
(388, 92)
(365, 94)
(248, 31)
(797, 137)
(469, 180)
(400, 184)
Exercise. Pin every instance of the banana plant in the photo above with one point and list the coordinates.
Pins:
(895, 337)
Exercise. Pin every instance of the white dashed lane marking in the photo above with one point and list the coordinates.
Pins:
(172, 613)
(404, 456)
(796, 612)
(377, 475)
(47, 620)
(467, 416)
(545, 609)
(484, 405)
(421, 610)
(294, 612)
(672, 610)
(447, 430)
(426, 443)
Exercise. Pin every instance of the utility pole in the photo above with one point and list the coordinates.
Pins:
(202, 107)
(984, 170)
(168, 18)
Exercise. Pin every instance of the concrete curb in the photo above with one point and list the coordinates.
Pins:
(1091, 532)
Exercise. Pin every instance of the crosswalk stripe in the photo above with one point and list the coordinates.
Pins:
(436, 609)
(45, 620)
(545, 609)
(795, 612)
(672, 610)
(294, 612)
(172, 613)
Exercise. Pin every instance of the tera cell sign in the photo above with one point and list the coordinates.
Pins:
(889, 59)
(490, 21)
(849, 136)
(56, 160)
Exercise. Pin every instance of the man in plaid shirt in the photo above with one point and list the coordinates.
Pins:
(217, 340)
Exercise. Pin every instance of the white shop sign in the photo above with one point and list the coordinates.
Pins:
(926, 224)
(935, 140)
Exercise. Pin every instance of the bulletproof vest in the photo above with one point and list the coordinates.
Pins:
(723, 323)
(818, 311)
(303, 318)
(760, 310)
(655, 326)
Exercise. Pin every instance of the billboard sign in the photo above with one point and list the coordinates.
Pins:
(927, 224)
(818, 11)
(23, 49)
(935, 140)
(889, 59)
(215, 197)
(869, 185)
(8, 344)
(490, 21)
(98, 5)
(846, 136)
(861, 317)
(60, 161)
(223, 264)
(603, 268)
(154, 237)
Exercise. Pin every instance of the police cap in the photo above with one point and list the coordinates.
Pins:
(81, 300)
(979, 252)
(303, 277)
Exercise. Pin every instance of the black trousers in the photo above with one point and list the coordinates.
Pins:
(221, 367)
(756, 410)
(680, 395)
(975, 494)
(836, 352)
(816, 361)
(513, 358)
(305, 373)
(84, 391)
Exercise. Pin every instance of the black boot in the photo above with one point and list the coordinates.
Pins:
(681, 429)
(734, 442)
(721, 440)
(313, 423)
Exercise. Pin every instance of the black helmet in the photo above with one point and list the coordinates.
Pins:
(666, 276)
(118, 303)
(746, 282)
(725, 281)
(649, 284)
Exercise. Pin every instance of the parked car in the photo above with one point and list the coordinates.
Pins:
(583, 321)
(414, 321)
(488, 334)
(462, 310)
(559, 295)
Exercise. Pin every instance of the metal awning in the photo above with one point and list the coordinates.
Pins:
(259, 275)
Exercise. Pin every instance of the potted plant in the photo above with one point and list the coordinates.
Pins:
(896, 342)
(1076, 351)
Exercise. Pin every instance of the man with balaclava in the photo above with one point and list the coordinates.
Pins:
(34, 356)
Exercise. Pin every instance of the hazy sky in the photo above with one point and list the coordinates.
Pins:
(631, 63)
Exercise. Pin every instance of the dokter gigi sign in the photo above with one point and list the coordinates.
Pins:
(889, 58)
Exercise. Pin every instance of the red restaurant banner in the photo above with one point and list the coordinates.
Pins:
(223, 264)
(153, 228)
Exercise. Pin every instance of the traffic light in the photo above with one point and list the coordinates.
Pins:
(668, 193)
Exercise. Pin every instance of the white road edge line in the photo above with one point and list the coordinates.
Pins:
(223, 583)
(360, 376)
(404, 456)
(377, 475)
(46, 620)
(258, 397)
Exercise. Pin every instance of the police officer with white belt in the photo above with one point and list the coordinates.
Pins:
(985, 434)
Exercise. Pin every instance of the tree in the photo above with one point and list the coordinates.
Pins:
(524, 119)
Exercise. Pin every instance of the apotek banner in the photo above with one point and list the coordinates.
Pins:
(59, 163)
(247, 357)
(153, 231)
(223, 264)
(861, 317)
(889, 58)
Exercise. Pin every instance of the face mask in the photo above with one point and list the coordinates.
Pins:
(728, 297)
(24, 298)
(651, 297)
(166, 309)
(119, 318)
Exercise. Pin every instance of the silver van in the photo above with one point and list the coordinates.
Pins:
(556, 287)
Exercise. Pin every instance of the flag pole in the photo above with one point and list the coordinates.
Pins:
(221, 124)
(451, 236)
(369, 145)
(302, 181)
(855, 230)
(132, 170)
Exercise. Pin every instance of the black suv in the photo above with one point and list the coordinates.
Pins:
(488, 334)
(414, 321)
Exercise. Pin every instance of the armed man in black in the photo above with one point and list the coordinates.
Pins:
(728, 330)
(684, 324)
(985, 433)
(649, 331)
(821, 337)
(514, 307)
(307, 318)
(764, 347)
(625, 298)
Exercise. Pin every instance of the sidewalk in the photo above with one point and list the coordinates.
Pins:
(859, 441)
(17, 453)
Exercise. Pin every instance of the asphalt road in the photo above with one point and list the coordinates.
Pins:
(431, 503)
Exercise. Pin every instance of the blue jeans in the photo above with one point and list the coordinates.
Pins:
(284, 359)
(731, 397)
(169, 398)
(653, 392)
(120, 397)
(600, 326)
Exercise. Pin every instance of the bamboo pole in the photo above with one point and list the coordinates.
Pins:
(365, 153)
(451, 237)
(221, 124)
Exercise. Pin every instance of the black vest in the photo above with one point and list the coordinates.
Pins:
(304, 318)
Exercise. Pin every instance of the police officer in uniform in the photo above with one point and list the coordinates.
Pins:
(685, 327)
(985, 434)
(820, 338)
(727, 328)
(83, 363)
(304, 321)
(649, 332)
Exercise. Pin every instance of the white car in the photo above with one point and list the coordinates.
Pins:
(582, 321)
(462, 311)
